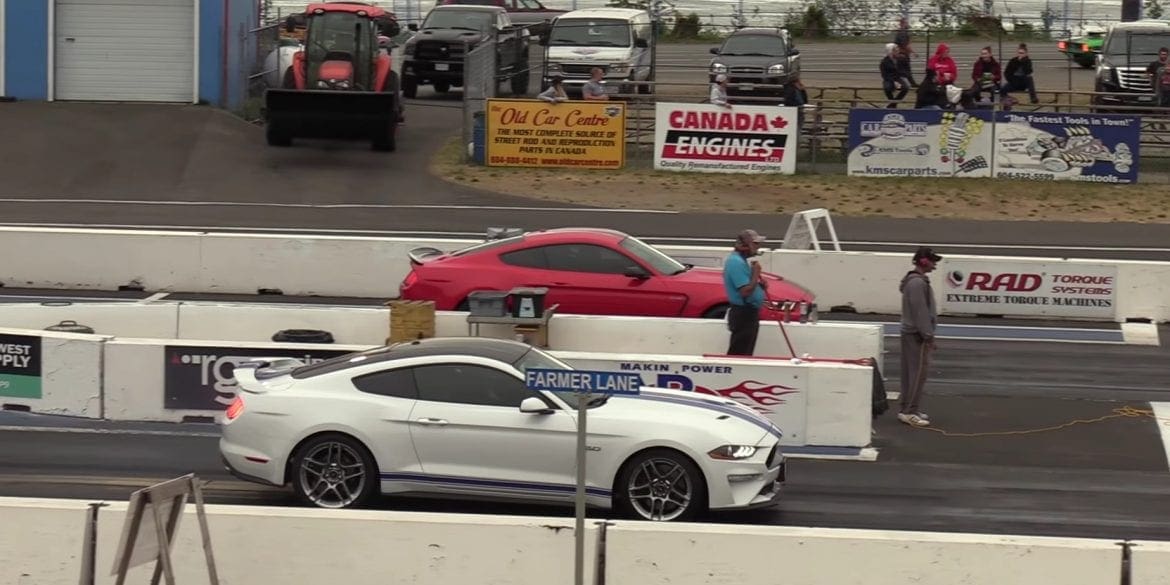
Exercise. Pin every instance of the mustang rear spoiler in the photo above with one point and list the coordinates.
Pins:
(424, 254)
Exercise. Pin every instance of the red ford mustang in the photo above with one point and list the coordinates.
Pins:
(586, 271)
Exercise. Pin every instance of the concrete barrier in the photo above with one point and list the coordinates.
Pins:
(152, 320)
(1150, 563)
(814, 404)
(374, 267)
(653, 554)
(255, 544)
(177, 380)
(371, 326)
(51, 372)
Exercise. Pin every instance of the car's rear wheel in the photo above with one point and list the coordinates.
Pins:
(661, 485)
(334, 471)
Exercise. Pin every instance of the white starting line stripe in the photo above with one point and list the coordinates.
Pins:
(1162, 419)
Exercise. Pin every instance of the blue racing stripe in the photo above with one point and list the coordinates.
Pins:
(493, 483)
(765, 424)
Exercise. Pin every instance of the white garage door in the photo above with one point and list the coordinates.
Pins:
(125, 50)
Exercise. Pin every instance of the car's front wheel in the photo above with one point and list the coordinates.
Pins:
(334, 471)
(661, 485)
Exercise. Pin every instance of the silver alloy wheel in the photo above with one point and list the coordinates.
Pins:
(660, 489)
(332, 475)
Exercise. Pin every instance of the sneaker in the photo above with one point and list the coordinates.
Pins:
(913, 420)
(922, 415)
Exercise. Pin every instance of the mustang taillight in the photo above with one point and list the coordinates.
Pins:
(234, 409)
(410, 279)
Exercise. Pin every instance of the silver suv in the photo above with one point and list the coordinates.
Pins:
(751, 57)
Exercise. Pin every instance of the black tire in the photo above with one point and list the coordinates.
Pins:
(409, 86)
(442, 87)
(387, 141)
(716, 312)
(276, 137)
(661, 460)
(352, 455)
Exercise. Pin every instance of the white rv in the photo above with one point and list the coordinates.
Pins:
(615, 39)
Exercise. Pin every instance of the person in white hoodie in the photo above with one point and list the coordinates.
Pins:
(919, 319)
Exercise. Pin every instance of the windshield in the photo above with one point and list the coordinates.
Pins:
(653, 256)
(755, 45)
(591, 32)
(477, 20)
(1137, 44)
(338, 32)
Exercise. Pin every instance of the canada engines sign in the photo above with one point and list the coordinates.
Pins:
(1029, 289)
(708, 138)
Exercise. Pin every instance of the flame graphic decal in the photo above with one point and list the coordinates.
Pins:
(758, 398)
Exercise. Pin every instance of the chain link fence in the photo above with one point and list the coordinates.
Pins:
(480, 84)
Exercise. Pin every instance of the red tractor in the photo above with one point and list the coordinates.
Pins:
(340, 85)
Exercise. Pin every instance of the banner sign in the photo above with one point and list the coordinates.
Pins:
(994, 287)
(202, 377)
(1072, 147)
(573, 134)
(710, 138)
(919, 143)
(20, 366)
(980, 143)
(775, 391)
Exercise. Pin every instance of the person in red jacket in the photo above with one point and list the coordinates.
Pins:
(945, 70)
(987, 75)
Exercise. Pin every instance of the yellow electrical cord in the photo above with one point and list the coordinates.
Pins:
(1124, 412)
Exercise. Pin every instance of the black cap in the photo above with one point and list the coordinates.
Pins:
(925, 252)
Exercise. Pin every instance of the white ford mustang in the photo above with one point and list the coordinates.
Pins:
(453, 416)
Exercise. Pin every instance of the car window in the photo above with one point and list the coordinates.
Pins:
(586, 258)
(754, 45)
(530, 5)
(528, 258)
(470, 384)
(398, 383)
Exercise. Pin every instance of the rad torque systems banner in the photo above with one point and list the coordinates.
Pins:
(20, 366)
(709, 138)
(1010, 145)
(202, 377)
(574, 134)
(1002, 287)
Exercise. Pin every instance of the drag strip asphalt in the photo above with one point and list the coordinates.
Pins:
(1118, 241)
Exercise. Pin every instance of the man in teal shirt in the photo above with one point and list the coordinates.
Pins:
(745, 293)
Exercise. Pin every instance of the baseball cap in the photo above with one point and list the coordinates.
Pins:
(746, 236)
(925, 252)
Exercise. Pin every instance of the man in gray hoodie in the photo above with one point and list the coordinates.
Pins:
(919, 318)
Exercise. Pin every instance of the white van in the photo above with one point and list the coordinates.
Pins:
(615, 39)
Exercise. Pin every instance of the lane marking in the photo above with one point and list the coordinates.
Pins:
(443, 235)
(155, 297)
(224, 485)
(331, 205)
(1162, 419)
(1055, 385)
(93, 431)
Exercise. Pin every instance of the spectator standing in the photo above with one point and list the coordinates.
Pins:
(891, 78)
(1017, 76)
(919, 319)
(719, 92)
(593, 89)
(1159, 73)
(745, 293)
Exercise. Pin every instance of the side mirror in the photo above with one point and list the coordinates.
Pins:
(794, 51)
(412, 27)
(641, 43)
(534, 405)
(714, 50)
(637, 272)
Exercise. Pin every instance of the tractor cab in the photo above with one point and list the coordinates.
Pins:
(342, 44)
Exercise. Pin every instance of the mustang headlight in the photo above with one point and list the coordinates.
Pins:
(718, 68)
(777, 69)
(732, 452)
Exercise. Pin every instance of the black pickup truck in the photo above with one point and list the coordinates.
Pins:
(434, 56)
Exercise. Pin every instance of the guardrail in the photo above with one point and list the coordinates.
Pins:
(255, 544)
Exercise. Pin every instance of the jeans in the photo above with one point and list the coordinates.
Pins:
(1020, 84)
